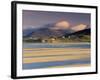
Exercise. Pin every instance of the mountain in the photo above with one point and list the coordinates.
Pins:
(57, 29)
(80, 33)
(27, 32)
(44, 32)
(49, 30)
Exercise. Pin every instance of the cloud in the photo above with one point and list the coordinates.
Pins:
(79, 27)
(61, 25)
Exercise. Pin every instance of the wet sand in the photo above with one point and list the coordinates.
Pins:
(41, 55)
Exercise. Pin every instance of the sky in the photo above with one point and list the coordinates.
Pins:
(36, 19)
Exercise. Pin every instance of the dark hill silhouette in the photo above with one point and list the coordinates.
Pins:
(82, 32)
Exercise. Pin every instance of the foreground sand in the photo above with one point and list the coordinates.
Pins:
(55, 54)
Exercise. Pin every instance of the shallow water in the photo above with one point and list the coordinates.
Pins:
(59, 45)
(55, 63)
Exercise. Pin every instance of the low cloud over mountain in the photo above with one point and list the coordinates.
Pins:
(79, 27)
(57, 29)
(61, 25)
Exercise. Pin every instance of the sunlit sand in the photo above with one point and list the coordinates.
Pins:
(55, 54)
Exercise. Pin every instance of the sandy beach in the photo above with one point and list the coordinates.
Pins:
(37, 55)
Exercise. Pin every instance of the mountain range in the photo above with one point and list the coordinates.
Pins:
(58, 29)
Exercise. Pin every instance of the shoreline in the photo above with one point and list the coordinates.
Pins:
(59, 43)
